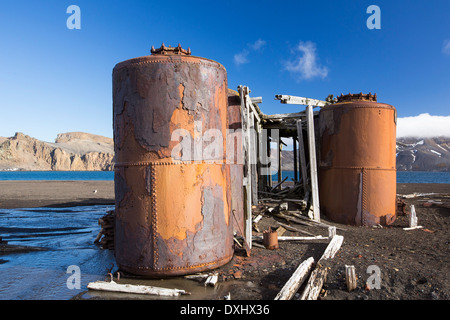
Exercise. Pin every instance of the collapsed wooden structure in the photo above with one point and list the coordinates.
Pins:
(259, 132)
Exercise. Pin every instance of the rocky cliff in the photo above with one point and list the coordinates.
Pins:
(74, 151)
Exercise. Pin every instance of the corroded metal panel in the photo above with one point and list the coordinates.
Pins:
(173, 198)
(235, 160)
(357, 174)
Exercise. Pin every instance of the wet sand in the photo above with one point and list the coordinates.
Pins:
(31, 194)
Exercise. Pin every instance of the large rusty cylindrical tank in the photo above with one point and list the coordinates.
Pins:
(235, 160)
(172, 184)
(357, 173)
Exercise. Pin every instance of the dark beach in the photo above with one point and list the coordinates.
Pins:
(414, 264)
(30, 194)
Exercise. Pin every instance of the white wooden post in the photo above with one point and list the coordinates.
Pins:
(313, 163)
(301, 154)
(245, 116)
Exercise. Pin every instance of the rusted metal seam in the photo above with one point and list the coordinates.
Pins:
(359, 168)
(358, 107)
(208, 64)
(154, 216)
(364, 196)
(183, 267)
(151, 163)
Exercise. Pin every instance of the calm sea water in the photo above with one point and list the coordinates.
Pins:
(57, 175)
(402, 176)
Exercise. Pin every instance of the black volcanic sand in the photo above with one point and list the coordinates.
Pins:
(31, 194)
(414, 264)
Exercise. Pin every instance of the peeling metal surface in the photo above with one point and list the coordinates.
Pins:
(357, 174)
(236, 164)
(172, 217)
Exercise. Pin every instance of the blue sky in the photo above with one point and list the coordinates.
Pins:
(55, 80)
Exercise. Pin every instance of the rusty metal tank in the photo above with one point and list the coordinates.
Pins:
(357, 169)
(172, 184)
(235, 160)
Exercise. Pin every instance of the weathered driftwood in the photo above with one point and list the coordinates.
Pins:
(293, 238)
(313, 163)
(137, 289)
(314, 284)
(294, 229)
(350, 278)
(197, 277)
(413, 220)
(296, 280)
(319, 274)
(105, 238)
(333, 246)
(212, 280)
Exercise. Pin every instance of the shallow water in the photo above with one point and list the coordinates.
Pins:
(67, 235)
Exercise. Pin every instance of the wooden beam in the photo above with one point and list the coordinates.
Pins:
(314, 284)
(293, 238)
(285, 115)
(294, 144)
(137, 289)
(247, 167)
(333, 247)
(287, 99)
(350, 278)
(301, 154)
(313, 164)
(279, 147)
(296, 280)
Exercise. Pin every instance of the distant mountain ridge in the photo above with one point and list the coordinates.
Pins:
(428, 154)
(72, 151)
(79, 151)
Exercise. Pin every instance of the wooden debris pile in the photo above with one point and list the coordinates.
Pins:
(105, 237)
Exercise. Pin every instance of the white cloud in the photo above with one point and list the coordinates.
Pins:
(446, 47)
(305, 65)
(423, 126)
(242, 57)
(258, 44)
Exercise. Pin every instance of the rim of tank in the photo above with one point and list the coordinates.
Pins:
(167, 58)
(358, 104)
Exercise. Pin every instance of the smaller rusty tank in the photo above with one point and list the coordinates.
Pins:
(235, 160)
(357, 174)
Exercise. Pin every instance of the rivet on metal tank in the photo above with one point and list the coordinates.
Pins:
(357, 174)
(173, 214)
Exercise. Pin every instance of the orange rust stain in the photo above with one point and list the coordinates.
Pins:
(179, 197)
(178, 202)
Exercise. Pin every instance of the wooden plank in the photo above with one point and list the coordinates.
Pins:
(284, 115)
(350, 278)
(287, 99)
(313, 163)
(279, 147)
(294, 238)
(294, 144)
(246, 180)
(296, 280)
(333, 247)
(413, 220)
(137, 289)
(314, 284)
(301, 154)
(253, 151)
